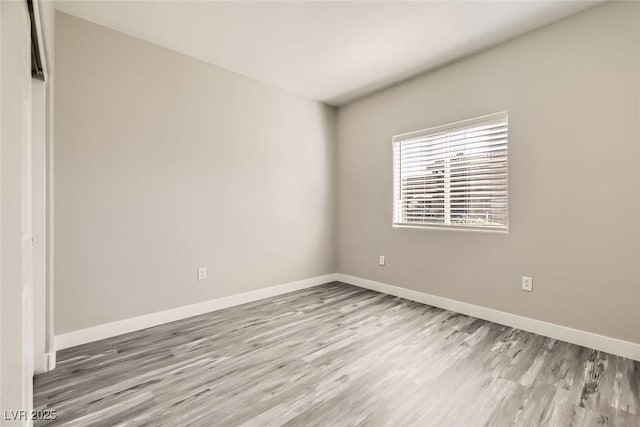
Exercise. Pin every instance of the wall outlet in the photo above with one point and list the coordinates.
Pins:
(202, 273)
(527, 284)
(381, 260)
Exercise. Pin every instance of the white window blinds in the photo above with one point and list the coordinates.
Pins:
(453, 176)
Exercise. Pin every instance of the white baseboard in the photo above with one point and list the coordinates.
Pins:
(47, 364)
(50, 361)
(575, 336)
(107, 330)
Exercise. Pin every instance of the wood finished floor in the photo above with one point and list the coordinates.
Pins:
(338, 355)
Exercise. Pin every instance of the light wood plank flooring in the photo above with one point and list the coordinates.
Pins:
(337, 355)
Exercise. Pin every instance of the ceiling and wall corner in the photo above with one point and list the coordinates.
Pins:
(332, 52)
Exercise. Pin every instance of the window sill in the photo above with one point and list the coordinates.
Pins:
(453, 228)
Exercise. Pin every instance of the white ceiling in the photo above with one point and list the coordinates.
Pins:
(332, 52)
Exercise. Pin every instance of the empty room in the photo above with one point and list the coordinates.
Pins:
(319, 213)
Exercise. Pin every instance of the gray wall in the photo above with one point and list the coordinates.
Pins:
(572, 91)
(164, 164)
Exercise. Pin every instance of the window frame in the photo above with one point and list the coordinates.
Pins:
(449, 227)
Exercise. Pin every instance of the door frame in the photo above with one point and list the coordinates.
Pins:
(39, 197)
(39, 222)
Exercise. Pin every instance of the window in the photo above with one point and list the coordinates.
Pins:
(453, 176)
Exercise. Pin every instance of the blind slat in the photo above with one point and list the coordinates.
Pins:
(449, 145)
(414, 177)
(456, 153)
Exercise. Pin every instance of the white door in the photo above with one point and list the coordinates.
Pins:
(17, 249)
